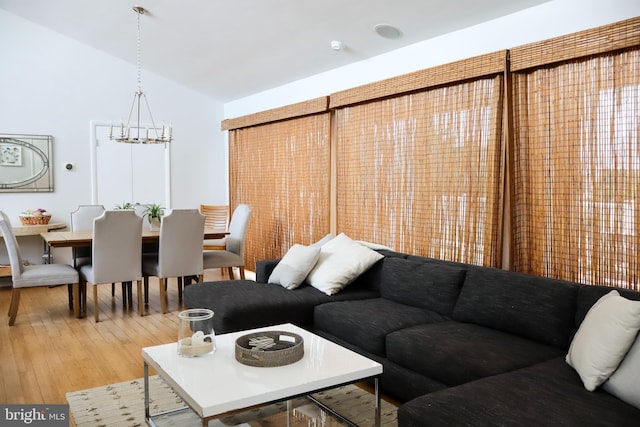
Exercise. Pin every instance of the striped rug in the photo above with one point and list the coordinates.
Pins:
(122, 404)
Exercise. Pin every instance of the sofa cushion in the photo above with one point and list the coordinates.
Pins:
(366, 323)
(547, 394)
(425, 284)
(589, 295)
(533, 307)
(244, 304)
(454, 353)
(604, 337)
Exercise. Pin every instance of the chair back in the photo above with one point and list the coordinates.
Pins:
(180, 250)
(117, 247)
(216, 217)
(13, 250)
(238, 229)
(82, 220)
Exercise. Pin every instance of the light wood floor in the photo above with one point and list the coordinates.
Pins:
(48, 352)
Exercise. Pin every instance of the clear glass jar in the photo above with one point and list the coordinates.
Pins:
(196, 336)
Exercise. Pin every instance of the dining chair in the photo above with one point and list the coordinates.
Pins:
(82, 220)
(28, 276)
(217, 218)
(179, 251)
(233, 254)
(116, 254)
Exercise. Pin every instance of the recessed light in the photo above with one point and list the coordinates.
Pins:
(387, 31)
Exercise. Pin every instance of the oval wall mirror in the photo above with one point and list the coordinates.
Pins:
(25, 163)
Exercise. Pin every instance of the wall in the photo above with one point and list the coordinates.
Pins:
(551, 19)
(51, 84)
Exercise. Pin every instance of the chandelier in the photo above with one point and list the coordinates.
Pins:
(133, 132)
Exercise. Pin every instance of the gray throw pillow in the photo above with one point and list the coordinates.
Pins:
(294, 267)
(625, 381)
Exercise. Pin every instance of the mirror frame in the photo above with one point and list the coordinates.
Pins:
(39, 182)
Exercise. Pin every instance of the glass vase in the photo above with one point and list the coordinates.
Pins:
(196, 336)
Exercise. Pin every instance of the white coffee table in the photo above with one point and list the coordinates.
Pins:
(217, 385)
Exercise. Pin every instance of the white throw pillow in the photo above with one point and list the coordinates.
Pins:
(625, 381)
(604, 337)
(326, 239)
(294, 267)
(341, 261)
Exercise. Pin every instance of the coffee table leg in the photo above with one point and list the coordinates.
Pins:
(289, 412)
(147, 416)
(377, 391)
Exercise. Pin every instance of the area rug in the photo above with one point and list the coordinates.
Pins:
(122, 404)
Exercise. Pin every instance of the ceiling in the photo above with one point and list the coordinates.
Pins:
(234, 48)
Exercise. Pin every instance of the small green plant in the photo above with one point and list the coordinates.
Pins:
(124, 205)
(152, 210)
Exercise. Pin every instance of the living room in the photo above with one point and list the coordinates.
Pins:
(63, 65)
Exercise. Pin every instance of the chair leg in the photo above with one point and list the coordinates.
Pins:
(163, 294)
(146, 290)
(96, 314)
(83, 297)
(130, 294)
(140, 299)
(13, 307)
(71, 301)
(241, 272)
(124, 294)
(113, 289)
(230, 270)
(181, 281)
(76, 300)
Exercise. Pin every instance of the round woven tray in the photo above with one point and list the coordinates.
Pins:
(283, 348)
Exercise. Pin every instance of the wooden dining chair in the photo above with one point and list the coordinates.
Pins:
(28, 276)
(116, 255)
(217, 218)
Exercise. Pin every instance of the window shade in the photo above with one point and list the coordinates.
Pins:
(281, 170)
(422, 172)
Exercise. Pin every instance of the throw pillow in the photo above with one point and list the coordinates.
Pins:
(625, 381)
(294, 267)
(341, 261)
(603, 339)
(327, 238)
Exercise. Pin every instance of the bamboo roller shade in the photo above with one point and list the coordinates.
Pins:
(577, 170)
(312, 106)
(607, 38)
(282, 171)
(471, 68)
(421, 172)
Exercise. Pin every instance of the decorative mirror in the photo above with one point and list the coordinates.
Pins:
(25, 163)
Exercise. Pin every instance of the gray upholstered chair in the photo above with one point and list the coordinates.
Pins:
(116, 254)
(179, 251)
(82, 220)
(233, 255)
(28, 276)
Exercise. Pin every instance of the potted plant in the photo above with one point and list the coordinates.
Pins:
(124, 206)
(153, 213)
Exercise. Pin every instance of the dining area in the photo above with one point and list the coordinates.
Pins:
(119, 247)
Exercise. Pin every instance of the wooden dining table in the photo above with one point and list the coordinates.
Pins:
(77, 239)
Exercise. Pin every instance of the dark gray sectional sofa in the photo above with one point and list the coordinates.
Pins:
(461, 345)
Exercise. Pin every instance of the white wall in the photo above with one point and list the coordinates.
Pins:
(53, 85)
(557, 17)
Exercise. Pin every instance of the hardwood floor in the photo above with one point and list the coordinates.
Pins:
(48, 352)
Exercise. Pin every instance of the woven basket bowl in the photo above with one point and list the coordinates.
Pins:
(270, 358)
(35, 220)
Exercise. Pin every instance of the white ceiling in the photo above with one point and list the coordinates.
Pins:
(234, 48)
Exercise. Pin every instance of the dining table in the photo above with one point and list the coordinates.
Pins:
(77, 239)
